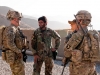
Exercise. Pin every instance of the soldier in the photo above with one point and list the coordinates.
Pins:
(42, 47)
(73, 28)
(12, 43)
(79, 47)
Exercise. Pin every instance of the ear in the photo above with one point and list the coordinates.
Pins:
(46, 23)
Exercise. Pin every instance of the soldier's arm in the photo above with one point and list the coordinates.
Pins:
(72, 44)
(57, 38)
(10, 40)
(34, 43)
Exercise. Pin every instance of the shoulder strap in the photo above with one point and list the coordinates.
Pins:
(21, 34)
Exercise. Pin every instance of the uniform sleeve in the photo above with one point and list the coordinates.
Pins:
(72, 44)
(10, 40)
(57, 38)
(34, 43)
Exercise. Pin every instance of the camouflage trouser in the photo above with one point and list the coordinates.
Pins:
(16, 65)
(48, 66)
(84, 68)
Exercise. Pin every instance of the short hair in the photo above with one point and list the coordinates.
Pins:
(43, 18)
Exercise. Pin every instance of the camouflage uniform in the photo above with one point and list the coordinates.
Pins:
(42, 45)
(75, 48)
(12, 43)
(69, 36)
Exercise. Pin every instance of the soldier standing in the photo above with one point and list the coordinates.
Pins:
(42, 47)
(80, 47)
(12, 43)
(74, 29)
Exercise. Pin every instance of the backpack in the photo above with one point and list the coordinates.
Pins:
(95, 48)
(2, 28)
(89, 47)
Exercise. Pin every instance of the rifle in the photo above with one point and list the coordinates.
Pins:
(77, 23)
(65, 61)
(85, 38)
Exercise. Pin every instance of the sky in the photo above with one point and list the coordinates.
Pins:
(56, 10)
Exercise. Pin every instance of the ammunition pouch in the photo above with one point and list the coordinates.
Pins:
(54, 54)
(19, 43)
(20, 39)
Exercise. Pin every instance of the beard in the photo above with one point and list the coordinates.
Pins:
(43, 26)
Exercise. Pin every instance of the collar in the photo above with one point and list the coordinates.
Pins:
(84, 28)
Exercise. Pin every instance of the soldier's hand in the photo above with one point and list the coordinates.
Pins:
(36, 58)
(63, 61)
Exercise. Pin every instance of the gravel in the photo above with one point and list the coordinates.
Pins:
(5, 69)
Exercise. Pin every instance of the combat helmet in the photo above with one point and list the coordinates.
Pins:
(13, 14)
(84, 15)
